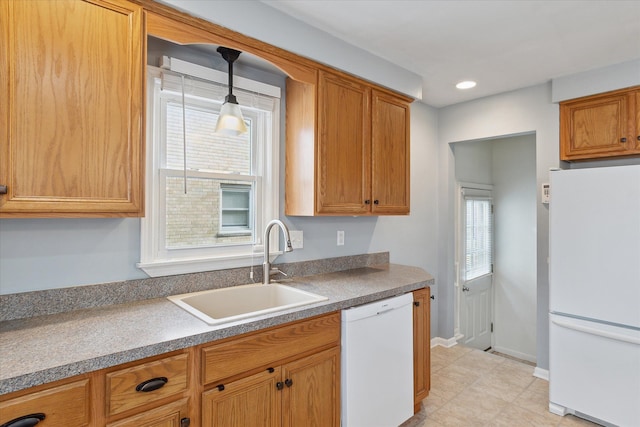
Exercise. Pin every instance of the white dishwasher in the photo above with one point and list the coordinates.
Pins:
(377, 363)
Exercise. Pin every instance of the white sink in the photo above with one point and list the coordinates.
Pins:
(240, 302)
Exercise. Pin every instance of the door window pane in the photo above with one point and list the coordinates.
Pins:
(478, 238)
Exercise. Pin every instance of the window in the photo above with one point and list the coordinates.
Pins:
(235, 215)
(478, 241)
(207, 194)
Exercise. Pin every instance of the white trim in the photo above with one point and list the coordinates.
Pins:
(543, 374)
(516, 354)
(156, 262)
(443, 342)
(198, 265)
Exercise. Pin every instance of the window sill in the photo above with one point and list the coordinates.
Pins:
(199, 265)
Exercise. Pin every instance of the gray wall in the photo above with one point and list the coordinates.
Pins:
(46, 253)
(524, 111)
(515, 281)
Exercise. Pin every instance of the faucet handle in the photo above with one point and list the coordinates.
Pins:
(276, 270)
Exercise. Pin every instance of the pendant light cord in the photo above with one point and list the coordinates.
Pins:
(184, 138)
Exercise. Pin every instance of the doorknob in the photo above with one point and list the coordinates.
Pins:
(465, 289)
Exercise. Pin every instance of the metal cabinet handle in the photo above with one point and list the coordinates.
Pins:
(152, 384)
(185, 422)
(288, 382)
(3, 190)
(367, 202)
(376, 202)
(623, 139)
(279, 385)
(416, 303)
(25, 421)
(465, 289)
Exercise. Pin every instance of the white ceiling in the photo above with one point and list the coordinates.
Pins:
(501, 44)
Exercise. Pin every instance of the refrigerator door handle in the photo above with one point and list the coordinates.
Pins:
(606, 334)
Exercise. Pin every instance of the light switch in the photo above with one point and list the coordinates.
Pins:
(340, 237)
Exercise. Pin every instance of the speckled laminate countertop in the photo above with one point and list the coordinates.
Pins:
(42, 349)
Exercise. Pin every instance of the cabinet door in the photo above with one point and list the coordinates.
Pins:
(635, 121)
(594, 127)
(421, 346)
(251, 401)
(390, 155)
(312, 391)
(171, 415)
(343, 158)
(71, 122)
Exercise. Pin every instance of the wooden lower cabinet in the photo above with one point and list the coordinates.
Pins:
(64, 404)
(421, 346)
(284, 376)
(250, 401)
(305, 392)
(312, 391)
(287, 376)
(174, 414)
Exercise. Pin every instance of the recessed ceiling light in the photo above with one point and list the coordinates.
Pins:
(467, 84)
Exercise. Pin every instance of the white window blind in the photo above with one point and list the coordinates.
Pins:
(478, 237)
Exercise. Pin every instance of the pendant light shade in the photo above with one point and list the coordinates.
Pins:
(230, 121)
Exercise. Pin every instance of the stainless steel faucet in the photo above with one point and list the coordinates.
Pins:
(266, 265)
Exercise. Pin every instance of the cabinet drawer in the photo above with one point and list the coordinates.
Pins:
(261, 349)
(66, 405)
(123, 385)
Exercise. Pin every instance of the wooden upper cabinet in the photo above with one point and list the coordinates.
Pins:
(344, 149)
(636, 119)
(72, 130)
(600, 126)
(390, 155)
(347, 149)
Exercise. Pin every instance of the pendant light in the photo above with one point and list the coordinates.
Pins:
(230, 121)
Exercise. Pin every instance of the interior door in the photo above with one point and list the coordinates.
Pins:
(475, 281)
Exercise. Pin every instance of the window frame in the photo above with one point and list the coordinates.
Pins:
(158, 262)
(239, 230)
(477, 195)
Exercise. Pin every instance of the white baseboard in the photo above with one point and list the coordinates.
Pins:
(444, 342)
(516, 354)
(543, 374)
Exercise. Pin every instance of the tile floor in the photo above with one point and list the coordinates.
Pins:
(473, 388)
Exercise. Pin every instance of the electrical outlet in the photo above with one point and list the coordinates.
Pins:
(340, 238)
(296, 239)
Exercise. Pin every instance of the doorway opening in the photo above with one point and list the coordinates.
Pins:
(496, 309)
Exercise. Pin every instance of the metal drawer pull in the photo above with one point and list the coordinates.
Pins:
(152, 384)
(3, 190)
(25, 421)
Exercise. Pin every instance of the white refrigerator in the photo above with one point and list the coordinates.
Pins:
(594, 298)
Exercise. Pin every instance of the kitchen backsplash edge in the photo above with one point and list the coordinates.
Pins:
(52, 301)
